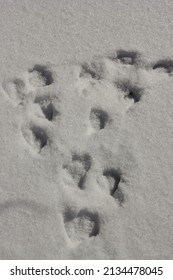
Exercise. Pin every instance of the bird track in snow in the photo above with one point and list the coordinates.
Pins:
(114, 69)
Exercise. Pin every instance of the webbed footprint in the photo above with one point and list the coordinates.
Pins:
(130, 91)
(110, 182)
(47, 106)
(35, 136)
(81, 226)
(78, 168)
(94, 70)
(40, 76)
(16, 89)
(165, 65)
(126, 57)
(98, 118)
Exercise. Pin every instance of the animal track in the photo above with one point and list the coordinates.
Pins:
(79, 168)
(128, 57)
(47, 107)
(16, 89)
(40, 76)
(20, 85)
(81, 226)
(36, 137)
(113, 177)
(98, 118)
(40, 136)
(166, 65)
(130, 91)
(93, 70)
(125, 57)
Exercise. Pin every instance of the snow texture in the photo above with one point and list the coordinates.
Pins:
(86, 150)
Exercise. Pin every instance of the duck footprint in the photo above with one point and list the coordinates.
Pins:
(110, 181)
(47, 106)
(40, 76)
(35, 136)
(165, 65)
(79, 168)
(92, 70)
(81, 226)
(98, 118)
(128, 57)
(130, 91)
(16, 89)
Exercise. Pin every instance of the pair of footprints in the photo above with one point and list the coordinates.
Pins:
(98, 119)
(85, 223)
(20, 90)
(96, 70)
(40, 76)
(131, 91)
(39, 136)
(134, 58)
(128, 58)
(37, 77)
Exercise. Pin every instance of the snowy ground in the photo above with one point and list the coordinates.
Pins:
(86, 130)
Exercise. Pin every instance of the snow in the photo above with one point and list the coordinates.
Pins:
(86, 130)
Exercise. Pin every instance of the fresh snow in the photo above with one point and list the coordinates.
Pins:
(86, 130)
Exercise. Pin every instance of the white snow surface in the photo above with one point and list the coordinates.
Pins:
(86, 143)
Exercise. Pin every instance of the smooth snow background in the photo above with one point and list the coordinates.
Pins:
(65, 32)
